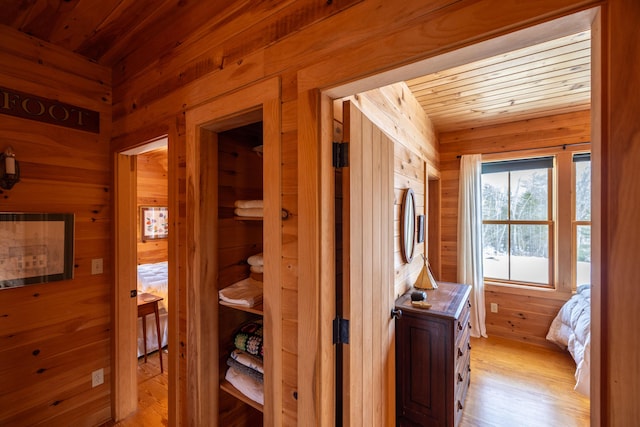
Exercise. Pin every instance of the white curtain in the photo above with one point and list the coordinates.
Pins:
(470, 238)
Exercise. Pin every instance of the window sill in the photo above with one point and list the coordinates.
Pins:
(511, 288)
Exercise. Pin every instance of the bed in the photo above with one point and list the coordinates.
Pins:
(571, 330)
(153, 278)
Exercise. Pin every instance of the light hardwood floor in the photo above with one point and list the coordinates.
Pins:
(519, 384)
(512, 385)
(152, 395)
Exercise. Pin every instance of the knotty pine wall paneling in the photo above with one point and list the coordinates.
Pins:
(396, 111)
(152, 182)
(54, 335)
(337, 43)
(524, 315)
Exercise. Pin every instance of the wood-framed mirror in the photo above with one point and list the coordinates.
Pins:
(408, 220)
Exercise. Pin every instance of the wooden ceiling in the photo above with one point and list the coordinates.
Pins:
(106, 31)
(549, 78)
(537, 81)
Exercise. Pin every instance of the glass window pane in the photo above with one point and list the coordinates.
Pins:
(495, 187)
(583, 191)
(495, 251)
(530, 194)
(583, 249)
(530, 253)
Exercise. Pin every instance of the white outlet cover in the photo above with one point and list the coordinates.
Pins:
(97, 377)
(96, 266)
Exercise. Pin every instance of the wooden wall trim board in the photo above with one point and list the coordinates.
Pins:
(202, 123)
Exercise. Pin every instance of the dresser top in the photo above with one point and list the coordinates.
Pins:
(446, 301)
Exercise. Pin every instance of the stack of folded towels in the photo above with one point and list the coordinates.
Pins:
(256, 266)
(249, 208)
(246, 292)
(245, 362)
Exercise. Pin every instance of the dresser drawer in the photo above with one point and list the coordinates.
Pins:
(462, 325)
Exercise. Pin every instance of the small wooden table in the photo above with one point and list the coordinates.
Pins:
(148, 304)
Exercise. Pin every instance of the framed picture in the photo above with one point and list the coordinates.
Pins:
(35, 248)
(154, 222)
(420, 228)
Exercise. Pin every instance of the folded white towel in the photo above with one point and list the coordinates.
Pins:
(249, 212)
(246, 385)
(246, 292)
(248, 360)
(257, 268)
(247, 204)
(257, 259)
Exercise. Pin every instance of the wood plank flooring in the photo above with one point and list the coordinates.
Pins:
(518, 384)
(153, 397)
(512, 384)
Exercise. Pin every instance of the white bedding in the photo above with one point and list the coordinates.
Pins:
(571, 330)
(153, 278)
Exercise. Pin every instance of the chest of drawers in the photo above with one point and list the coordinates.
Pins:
(433, 357)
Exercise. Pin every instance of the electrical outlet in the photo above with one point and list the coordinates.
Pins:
(96, 266)
(97, 377)
(494, 307)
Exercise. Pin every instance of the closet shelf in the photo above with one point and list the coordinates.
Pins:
(226, 386)
(257, 309)
(285, 215)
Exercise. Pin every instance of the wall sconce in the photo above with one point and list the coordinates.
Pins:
(9, 169)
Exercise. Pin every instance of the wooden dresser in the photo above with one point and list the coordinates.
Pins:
(432, 357)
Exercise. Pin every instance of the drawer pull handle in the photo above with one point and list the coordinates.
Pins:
(396, 313)
(460, 353)
(460, 406)
(469, 304)
(459, 378)
(469, 346)
(469, 325)
(459, 326)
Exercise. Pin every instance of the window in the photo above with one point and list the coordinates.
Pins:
(536, 221)
(517, 221)
(582, 218)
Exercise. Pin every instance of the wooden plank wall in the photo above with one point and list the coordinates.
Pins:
(396, 111)
(153, 88)
(523, 316)
(53, 335)
(344, 41)
(152, 181)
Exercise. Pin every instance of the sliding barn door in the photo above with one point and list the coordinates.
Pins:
(368, 224)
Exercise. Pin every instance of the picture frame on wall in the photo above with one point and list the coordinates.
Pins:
(35, 248)
(154, 222)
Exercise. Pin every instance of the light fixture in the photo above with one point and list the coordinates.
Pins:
(9, 169)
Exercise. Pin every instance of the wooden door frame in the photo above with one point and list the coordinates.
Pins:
(222, 113)
(124, 360)
(318, 86)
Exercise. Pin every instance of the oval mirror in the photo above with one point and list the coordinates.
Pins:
(408, 225)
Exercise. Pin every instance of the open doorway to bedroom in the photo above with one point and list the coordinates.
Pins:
(451, 88)
(143, 293)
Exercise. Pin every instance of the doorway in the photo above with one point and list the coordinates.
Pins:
(499, 45)
(142, 182)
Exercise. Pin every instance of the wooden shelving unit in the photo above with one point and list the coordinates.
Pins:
(227, 387)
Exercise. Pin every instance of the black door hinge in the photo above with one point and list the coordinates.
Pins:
(340, 154)
(340, 330)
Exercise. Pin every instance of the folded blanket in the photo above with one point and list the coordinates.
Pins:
(249, 338)
(247, 360)
(246, 292)
(247, 385)
(245, 370)
(248, 204)
(249, 212)
(257, 259)
(256, 269)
